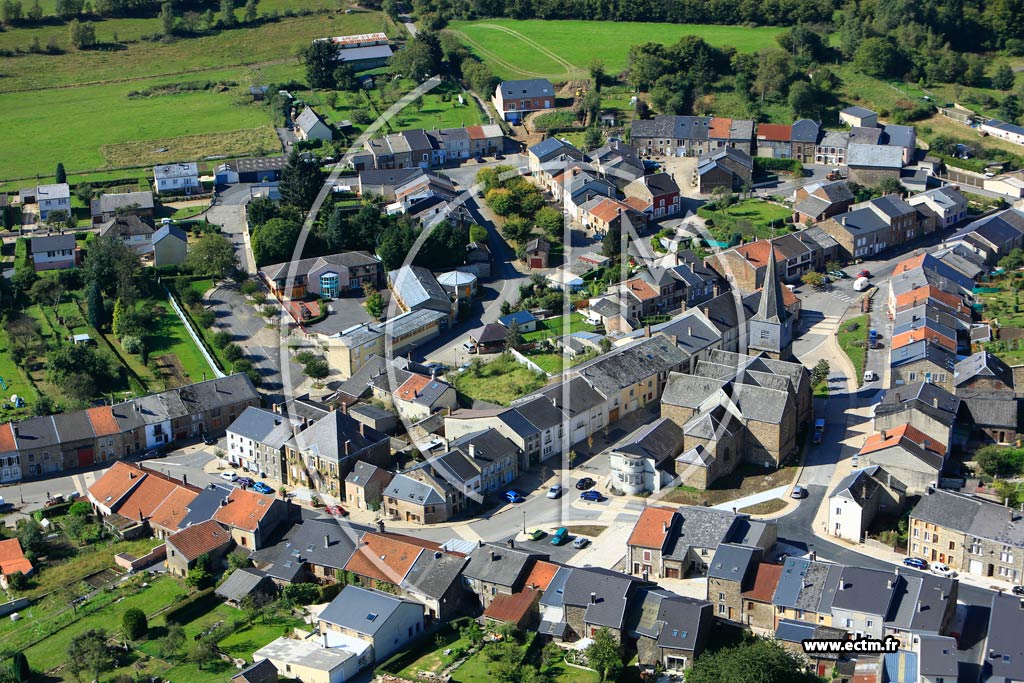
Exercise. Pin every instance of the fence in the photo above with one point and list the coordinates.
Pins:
(195, 335)
(523, 360)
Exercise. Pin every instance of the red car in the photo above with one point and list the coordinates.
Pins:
(864, 273)
(336, 510)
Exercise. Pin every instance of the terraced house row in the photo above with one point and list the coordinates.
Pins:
(43, 446)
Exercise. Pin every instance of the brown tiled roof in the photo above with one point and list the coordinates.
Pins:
(755, 252)
(387, 557)
(911, 263)
(412, 386)
(12, 559)
(649, 530)
(607, 210)
(7, 438)
(172, 510)
(103, 421)
(921, 295)
(143, 501)
(115, 483)
(765, 582)
(641, 290)
(774, 131)
(244, 510)
(720, 128)
(197, 539)
(511, 608)
(475, 132)
(892, 437)
(541, 575)
(637, 203)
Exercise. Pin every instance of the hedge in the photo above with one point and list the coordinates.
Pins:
(762, 164)
(181, 612)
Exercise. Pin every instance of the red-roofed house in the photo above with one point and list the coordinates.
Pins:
(745, 265)
(541, 574)
(10, 460)
(774, 140)
(758, 610)
(386, 558)
(518, 609)
(906, 453)
(188, 545)
(251, 517)
(12, 560)
(648, 539)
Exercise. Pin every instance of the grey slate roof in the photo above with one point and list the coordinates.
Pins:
(548, 149)
(262, 671)
(532, 87)
(984, 365)
(875, 156)
(126, 226)
(362, 610)
(433, 573)
(806, 585)
(920, 603)
(805, 130)
(262, 426)
(108, 203)
(699, 528)
(938, 656)
(612, 590)
(628, 365)
(205, 504)
(170, 231)
(326, 437)
(689, 390)
(507, 567)
(733, 562)
(1004, 653)
(581, 396)
(658, 440)
(416, 287)
(413, 489)
(973, 516)
(36, 432)
(52, 242)
(361, 473)
(243, 582)
(868, 591)
(899, 136)
(993, 411)
(859, 112)
(321, 542)
(303, 266)
(672, 620)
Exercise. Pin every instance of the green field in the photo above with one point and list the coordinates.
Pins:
(500, 381)
(561, 50)
(753, 218)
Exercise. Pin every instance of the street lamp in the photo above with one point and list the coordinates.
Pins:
(524, 521)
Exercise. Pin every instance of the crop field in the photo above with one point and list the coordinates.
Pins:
(561, 50)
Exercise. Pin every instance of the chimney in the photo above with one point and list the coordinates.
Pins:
(380, 526)
(935, 402)
(344, 408)
(348, 446)
(472, 450)
(184, 480)
(664, 527)
(494, 556)
(511, 542)
(593, 598)
(883, 435)
(689, 330)
(898, 398)
(327, 541)
(362, 429)
(481, 543)
(889, 584)
(647, 331)
(920, 606)
(224, 502)
(842, 585)
(131, 475)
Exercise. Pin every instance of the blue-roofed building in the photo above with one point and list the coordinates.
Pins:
(858, 117)
(993, 236)
(551, 151)
(527, 321)
(1004, 130)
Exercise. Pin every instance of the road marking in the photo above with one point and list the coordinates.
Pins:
(467, 533)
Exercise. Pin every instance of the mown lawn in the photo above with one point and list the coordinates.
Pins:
(500, 381)
(562, 49)
(170, 338)
(850, 331)
(753, 218)
(552, 327)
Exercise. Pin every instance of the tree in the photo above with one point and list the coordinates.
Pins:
(83, 34)
(1004, 78)
(31, 537)
(35, 12)
(118, 326)
(61, 175)
(611, 245)
(605, 655)
(473, 633)
(115, 267)
(513, 337)
(803, 98)
(300, 593)
(133, 624)
(167, 18)
(820, 372)
(420, 58)
(877, 57)
(173, 641)
(753, 661)
(44, 406)
(593, 137)
(199, 576)
(1010, 109)
(479, 77)
(275, 241)
(345, 77)
(1013, 260)
(10, 12)
(890, 185)
(501, 201)
(213, 255)
(227, 13)
(320, 59)
(250, 12)
(813, 278)
(596, 68)
(550, 220)
(88, 653)
(200, 652)
(20, 671)
(301, 181)
(1000, 461)
(395, 243)
(317, 369)
(374, 301)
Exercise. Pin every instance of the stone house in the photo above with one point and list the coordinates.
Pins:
(906, 454)
(758, 611)
(596, 598)
(498, 568)
(859, 498)
(364, 486)
(670, 630)
(252, 518)
(417, 496)
(186, 547)
(730, 573)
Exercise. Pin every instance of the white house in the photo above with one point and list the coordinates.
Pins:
(1006, 131)
(948, 205)
(1010, 184)
(54, 252)
(55, 197)
(176, 178)
(309, 126)
(861, 496)
(635, 461)
(387, 622)
(310, 662)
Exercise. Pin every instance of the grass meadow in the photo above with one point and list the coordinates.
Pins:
(563, 49)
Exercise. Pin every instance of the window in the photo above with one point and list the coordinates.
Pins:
(329, 285)
(764, 334)
(870, 623)
(721, 596)
(849, 623)
(721, 609)
(1006, 555)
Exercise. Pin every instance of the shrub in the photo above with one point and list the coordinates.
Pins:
(190, 297)
(221, 339)
(134, 624)
(851, 327)
(80, 509)
(133, 344)
(232, 352)
(182, 611)
(206, 318)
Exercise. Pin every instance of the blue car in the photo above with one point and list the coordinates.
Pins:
(260, 487)
(514, 497)
(915, 562)
(592, 496)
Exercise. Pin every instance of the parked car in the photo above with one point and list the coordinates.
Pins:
(479, 159)
(245, 482)
(260, 487)
(592, 496)
(915, 562)
(336, 511)
(209, 440)
(870, 376)
(55, 500)
(798, 492)
(864, 273)
(585, 483)
(154, 453)
(228, 476)
(555, 491)
(1018, 590)
(942, 570)
(560, 537)
(436, 368)
(819, 430)
(514, 497)
(537, 534)
(580, 542)
(499, 157)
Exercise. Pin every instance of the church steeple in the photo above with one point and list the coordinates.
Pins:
(771, 308)
(770, 329)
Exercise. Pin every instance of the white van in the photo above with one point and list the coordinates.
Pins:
(860, 284)
(870, 376)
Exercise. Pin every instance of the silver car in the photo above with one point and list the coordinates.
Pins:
(555, 491)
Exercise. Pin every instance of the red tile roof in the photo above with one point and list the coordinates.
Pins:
(172, 510)
(412, 386)
(774, 131)
(541, 575)
(387, 557)
(921, 295)
(475, 132)
(12, 559)
(893, 437)
(244, 510)
(905, 338)
(607, 210)
(146, 498)
(102, 420)
(649, 531)
(912, 263)
(7, 438)
(765, 582)
(637, 203)
(511, 609)
(756, 253)
(720, 128)
(197, 539)
(642, 290)
(115, 484)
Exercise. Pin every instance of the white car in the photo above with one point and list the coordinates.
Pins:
(942, 570)
(229, 476)
(555, 491)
